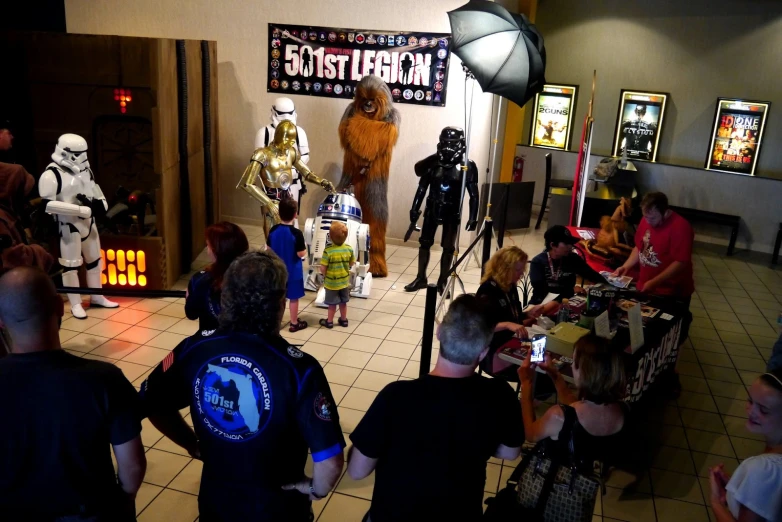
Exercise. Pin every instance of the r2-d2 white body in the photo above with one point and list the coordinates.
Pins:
(344, 208)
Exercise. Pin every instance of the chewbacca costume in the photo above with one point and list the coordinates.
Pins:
(368, 132)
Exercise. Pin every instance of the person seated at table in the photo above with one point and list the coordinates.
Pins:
(754, 492)
(596, 411)
(225, 242)
(554, 270)
(499, 292)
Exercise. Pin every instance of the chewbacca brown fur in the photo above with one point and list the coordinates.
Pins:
(368, 140)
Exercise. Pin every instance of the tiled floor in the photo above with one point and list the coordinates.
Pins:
(735, 310)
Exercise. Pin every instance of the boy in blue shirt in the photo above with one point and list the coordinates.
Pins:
(288, 243)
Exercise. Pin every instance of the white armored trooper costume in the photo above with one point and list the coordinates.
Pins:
(283, 109)
(72, 195)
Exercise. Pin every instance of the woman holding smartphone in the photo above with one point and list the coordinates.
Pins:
(499, 292)
(754, 492)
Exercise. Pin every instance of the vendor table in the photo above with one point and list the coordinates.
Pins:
(660, 351)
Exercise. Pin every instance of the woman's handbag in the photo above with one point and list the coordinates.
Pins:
(545, 488)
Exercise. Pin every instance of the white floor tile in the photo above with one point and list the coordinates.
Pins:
(107, 328)
(362, 343)
(349, 418)
(357, 399)
(131, 370)
(321, 352)
(342, 508)
(352, 358)
(147, 356)
(115, 349)
(149, 305)
(167, 341)
(80, 325)
(183, 327)
(388, 307)
(84, 343)
(338, 391)
(130, 316)
(357, 488)
(395, 349)
(402, 335)
(138, 335)
(162, 467)
(410, 323)
(373, 330)
(381, 318)
(158, 322)
(189, 480)
(330, 337)
(145, 495)
(385, 364)
(173, 310)
(374, 381)
(171, 506)
(149, 434)
(339, 374)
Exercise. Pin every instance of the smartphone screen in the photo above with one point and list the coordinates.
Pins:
(538, 348)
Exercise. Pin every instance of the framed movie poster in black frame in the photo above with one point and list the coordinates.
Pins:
(552, 116)
(737, 135)
(639, 123)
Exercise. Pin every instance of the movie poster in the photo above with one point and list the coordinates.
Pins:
(330, 61)
(552, 117)
(735, 141)
(638, 124)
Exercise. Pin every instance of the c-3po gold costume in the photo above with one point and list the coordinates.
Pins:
(273, 165)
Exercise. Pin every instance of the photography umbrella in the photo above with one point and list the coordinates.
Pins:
(503, 51)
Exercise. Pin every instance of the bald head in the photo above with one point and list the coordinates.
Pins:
(30, 306)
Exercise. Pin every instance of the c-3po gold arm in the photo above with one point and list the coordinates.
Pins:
(250, 175)
(307, 175)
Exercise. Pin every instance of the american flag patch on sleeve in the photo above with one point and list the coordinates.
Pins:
(168, 361)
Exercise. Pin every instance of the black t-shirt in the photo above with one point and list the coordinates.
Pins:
(432, 438)
(257, 405)
(60, 415)
(562, 280)
(502, 307)
(203, 302)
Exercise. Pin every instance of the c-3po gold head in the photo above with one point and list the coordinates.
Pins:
(285, 135)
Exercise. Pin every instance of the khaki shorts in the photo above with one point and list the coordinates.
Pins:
(335, 297)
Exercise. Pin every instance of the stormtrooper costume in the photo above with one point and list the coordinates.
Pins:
(71, 194)
(283, 109)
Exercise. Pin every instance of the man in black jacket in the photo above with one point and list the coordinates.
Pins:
(555, 269)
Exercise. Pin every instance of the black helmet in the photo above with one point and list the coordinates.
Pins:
(451, 145)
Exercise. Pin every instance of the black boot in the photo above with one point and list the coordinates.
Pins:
(420, 280)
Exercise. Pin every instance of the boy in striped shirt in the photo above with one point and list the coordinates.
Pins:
(335, 266)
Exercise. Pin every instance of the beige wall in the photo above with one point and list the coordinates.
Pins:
(240, 29)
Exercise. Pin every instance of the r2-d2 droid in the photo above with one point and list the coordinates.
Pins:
(344, 208)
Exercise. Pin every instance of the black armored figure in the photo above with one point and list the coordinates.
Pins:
(441, 175)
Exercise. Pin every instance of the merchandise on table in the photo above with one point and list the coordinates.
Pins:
(618, 281)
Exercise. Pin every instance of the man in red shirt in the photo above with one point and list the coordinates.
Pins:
(663, 245)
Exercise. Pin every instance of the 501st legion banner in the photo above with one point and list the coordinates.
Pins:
(330, 61)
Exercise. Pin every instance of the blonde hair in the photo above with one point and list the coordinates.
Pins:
(500, 267)
(601, 369)
(338, 233)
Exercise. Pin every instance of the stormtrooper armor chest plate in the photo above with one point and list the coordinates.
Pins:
(446, 186)
(73, 184)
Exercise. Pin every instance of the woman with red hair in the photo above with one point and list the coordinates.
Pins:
(224, 242)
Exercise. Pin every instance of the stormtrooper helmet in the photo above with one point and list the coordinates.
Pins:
(451, 145)
(283, 109)
(71, 153)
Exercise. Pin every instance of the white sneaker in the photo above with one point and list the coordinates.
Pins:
(78, 311)
(99, 300)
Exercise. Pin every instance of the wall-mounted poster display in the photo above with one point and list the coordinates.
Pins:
(554, 108)
(330, 61)
(639, 123)
(736, 136)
